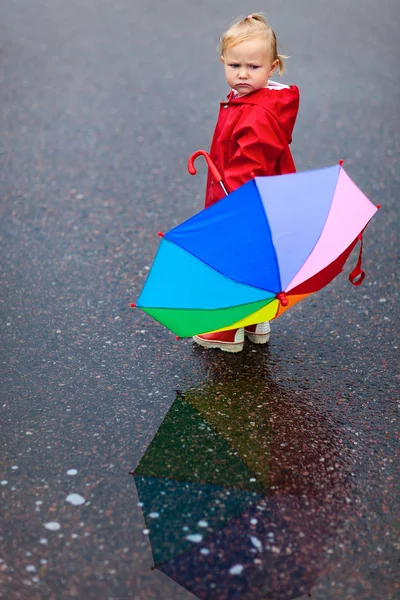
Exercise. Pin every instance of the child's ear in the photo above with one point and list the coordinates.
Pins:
(222, 60)
(274, 67)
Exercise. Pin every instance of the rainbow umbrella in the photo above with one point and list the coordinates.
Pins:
(257, 252)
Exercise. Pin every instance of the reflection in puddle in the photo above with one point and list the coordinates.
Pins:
(242, 486)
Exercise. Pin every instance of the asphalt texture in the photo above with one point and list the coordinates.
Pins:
(272, 473)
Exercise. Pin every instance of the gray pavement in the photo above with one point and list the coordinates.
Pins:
(101, 105)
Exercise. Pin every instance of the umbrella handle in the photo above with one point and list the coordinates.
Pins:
(216, 175)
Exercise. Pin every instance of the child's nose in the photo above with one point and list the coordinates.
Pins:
(243, 73)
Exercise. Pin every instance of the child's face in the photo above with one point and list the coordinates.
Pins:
(248, 66)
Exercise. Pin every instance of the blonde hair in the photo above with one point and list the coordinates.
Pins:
(255, 25)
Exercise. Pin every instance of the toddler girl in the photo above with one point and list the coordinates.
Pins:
(252, 134)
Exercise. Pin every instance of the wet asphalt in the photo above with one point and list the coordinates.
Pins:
(268, 474)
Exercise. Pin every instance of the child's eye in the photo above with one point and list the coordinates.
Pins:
(254, 67)
(234, 65)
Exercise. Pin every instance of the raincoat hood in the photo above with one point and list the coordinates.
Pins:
(279, 100)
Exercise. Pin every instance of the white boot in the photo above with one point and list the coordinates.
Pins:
(259, 333)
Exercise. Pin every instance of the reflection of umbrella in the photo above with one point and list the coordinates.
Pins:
(190, 475)
(257, 252)
(237, 503)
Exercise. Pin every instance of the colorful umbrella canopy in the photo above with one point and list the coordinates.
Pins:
(257, 252)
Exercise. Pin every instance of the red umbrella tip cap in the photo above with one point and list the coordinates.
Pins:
(160, 234)
(177, 337)
(282, 298)
(378, 206)
(341, 161)
(133, 305)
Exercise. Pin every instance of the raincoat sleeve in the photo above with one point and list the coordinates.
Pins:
(258, 148)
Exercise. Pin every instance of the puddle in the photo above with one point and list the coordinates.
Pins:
(243, 487)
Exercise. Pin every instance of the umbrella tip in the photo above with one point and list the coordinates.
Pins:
(282, 298)
(341, 161)
(133, 305)
(177, 337)
(378, 206)
(160, 234)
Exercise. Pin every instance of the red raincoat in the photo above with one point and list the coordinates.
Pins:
(252, 137)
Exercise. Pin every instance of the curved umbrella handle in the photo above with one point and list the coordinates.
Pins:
(216, 175)
(214, 171)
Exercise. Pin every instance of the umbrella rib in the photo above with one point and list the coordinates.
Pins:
(270, 235)
(320, 235)
(271, 298)
(219, 272)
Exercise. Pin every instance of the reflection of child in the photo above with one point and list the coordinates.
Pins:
(253, 132)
